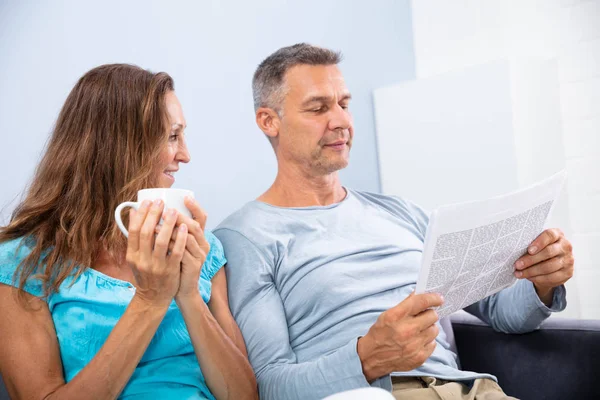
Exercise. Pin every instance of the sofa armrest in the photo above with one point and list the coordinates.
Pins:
(561, 360)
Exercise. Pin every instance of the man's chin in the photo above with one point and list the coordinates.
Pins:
(333, 167)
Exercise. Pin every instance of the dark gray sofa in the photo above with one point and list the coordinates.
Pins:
(559, 361)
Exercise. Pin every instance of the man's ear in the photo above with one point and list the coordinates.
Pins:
(268, 121)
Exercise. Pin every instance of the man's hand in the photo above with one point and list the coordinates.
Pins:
(548, 264)
(402, 338)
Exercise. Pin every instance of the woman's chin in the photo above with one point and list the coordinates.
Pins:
(165, 183)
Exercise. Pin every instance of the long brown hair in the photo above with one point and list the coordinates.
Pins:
(102, 150)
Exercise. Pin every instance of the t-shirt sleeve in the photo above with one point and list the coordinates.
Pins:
(12, 254)
(215, 258)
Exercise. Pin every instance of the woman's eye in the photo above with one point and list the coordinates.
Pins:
(173, 137)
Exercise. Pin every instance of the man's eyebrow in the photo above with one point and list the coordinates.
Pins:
(316, 99)
(325, 99)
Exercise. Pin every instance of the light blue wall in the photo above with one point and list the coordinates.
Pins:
(211, 49)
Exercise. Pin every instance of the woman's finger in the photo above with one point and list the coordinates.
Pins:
(198, 213)
(161, 244)
(179, 248)
(147, 231)
(196, 250)
(136, 220)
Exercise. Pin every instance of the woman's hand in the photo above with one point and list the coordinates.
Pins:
(196, 249)
(157, 272)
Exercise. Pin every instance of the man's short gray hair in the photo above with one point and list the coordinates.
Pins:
(268, 86)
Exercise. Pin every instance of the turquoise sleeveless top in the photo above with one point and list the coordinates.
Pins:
(85, 313)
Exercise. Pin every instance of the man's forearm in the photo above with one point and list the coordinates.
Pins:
(333, 373)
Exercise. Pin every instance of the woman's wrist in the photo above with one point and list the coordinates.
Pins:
(187, 300)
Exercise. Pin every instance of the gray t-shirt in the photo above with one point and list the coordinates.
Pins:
(305, 283)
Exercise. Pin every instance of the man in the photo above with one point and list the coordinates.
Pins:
(321, 276)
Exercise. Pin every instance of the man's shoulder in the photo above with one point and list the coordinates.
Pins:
(240, 219)
(254, 220)
(398, 207)
(386, 201)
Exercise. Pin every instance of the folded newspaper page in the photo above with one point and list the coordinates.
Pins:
(471, 248)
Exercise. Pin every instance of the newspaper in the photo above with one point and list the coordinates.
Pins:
(471, 248)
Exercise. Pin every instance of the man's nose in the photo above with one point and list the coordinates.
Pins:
(341, 119)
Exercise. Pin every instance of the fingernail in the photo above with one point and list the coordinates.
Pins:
(518, 274)
(519, 264)
(183, 228)
(532, 250)
(172, 212)
(157, 202)
(442, 297)
(146, 203)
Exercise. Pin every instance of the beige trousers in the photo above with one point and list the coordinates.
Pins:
(428, 388)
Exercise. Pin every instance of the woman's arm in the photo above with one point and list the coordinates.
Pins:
(30, 358)
(29, 353)
(218, 343)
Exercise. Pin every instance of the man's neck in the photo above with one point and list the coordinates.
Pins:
(296, 189)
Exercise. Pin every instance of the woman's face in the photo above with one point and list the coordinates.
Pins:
(176, 150)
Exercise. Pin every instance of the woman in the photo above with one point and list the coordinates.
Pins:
(88, 313)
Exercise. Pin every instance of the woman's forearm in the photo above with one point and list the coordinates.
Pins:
(109, 371)
(227, 371)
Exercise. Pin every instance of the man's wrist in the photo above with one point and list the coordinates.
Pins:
(363, 348)
(546, 295)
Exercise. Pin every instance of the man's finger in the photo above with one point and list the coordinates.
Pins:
(544, 239)
(544, 268)
(421, 302)
(552, 280)
(430, 333)
(551, 251)
(426, 319)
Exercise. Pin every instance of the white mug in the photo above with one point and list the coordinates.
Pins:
(173, 198)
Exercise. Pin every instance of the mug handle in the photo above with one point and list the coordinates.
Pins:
(118, 211)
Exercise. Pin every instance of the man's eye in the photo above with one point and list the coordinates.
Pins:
(320, 109)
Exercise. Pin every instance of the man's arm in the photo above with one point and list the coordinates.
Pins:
(540, 290)
(258, 309)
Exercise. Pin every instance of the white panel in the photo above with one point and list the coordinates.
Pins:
(587, 16)
(581, 136)
(581, 99)
(580, 61)
(537, 128)
(447, 139)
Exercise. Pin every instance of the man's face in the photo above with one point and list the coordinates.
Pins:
(316, 129)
